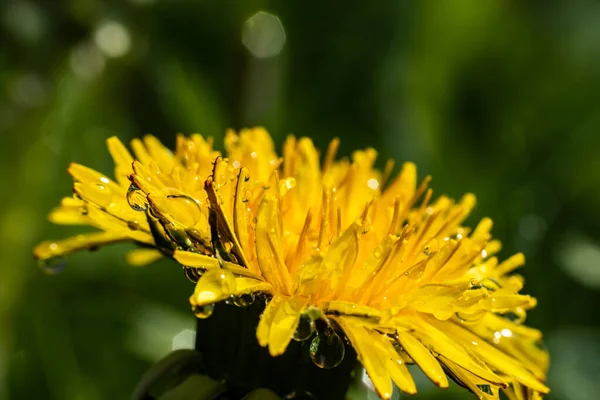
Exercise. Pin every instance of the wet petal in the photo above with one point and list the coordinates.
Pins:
(266, 320)
(141, 257)
(424, 359)
(89, 241)
(372, 359)
(284, 324)
(269, 248)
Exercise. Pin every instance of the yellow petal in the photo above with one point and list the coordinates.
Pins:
(70, 212)
(122, 159)
(423, 357)
(510, 264)
(160, 154)
(214, 285)
(143, 256)
(50, 249)
(251, 285)
(198, 260)
(83, 174)
(266, 320)
(269, 248)
(370, 356)
(491, 355)
(241, 218)
(284, 324)
(442, 344)
(474, 383)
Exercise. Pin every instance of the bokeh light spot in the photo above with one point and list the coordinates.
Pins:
(580, 258)
(113, 39)
(87, 61)
(263, 35)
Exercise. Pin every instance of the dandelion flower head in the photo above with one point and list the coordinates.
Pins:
(346, 255)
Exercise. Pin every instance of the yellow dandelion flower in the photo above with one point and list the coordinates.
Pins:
(340, 249)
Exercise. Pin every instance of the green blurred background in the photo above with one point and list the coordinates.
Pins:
(498, 98)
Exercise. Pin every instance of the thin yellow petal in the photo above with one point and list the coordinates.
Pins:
(371, 358)
(284, 324)
(473, 382)
(492, 355)
(423, 357)
(81, 173)
(160, 154)
(141, 257)
(266, 320)
(198, 260)
(70, 212)
(445, 346)
(122, 158)
(50, 249)
(268, 245)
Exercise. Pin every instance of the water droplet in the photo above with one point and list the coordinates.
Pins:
(189, 206)
(471, 318)
(203, 312)
(216, 284)
(193, 274)
(327, 350)
(416, 271)
(52, 266)
(491, 284)
(133, 225)
(136, 198)
(305, 329)
(244, 300)
(518, 315)
(83, 210)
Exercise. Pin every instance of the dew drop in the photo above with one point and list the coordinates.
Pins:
(305, 329)
(215, 285)
(52, 266)
(83, 210)
(415, 272)
(518, 315)
(189, 205)
(244, 300)
(203, 312)
(471, 318)
(327, 350)
(193, 274)
(133, 225)
(136, 198)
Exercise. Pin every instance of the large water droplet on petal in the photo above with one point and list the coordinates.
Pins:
(203, 312)
(215, 285)
(327, 350)
(136, 198)
(244, 300)
(52, 266)
(184, 209)
(305, 329)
